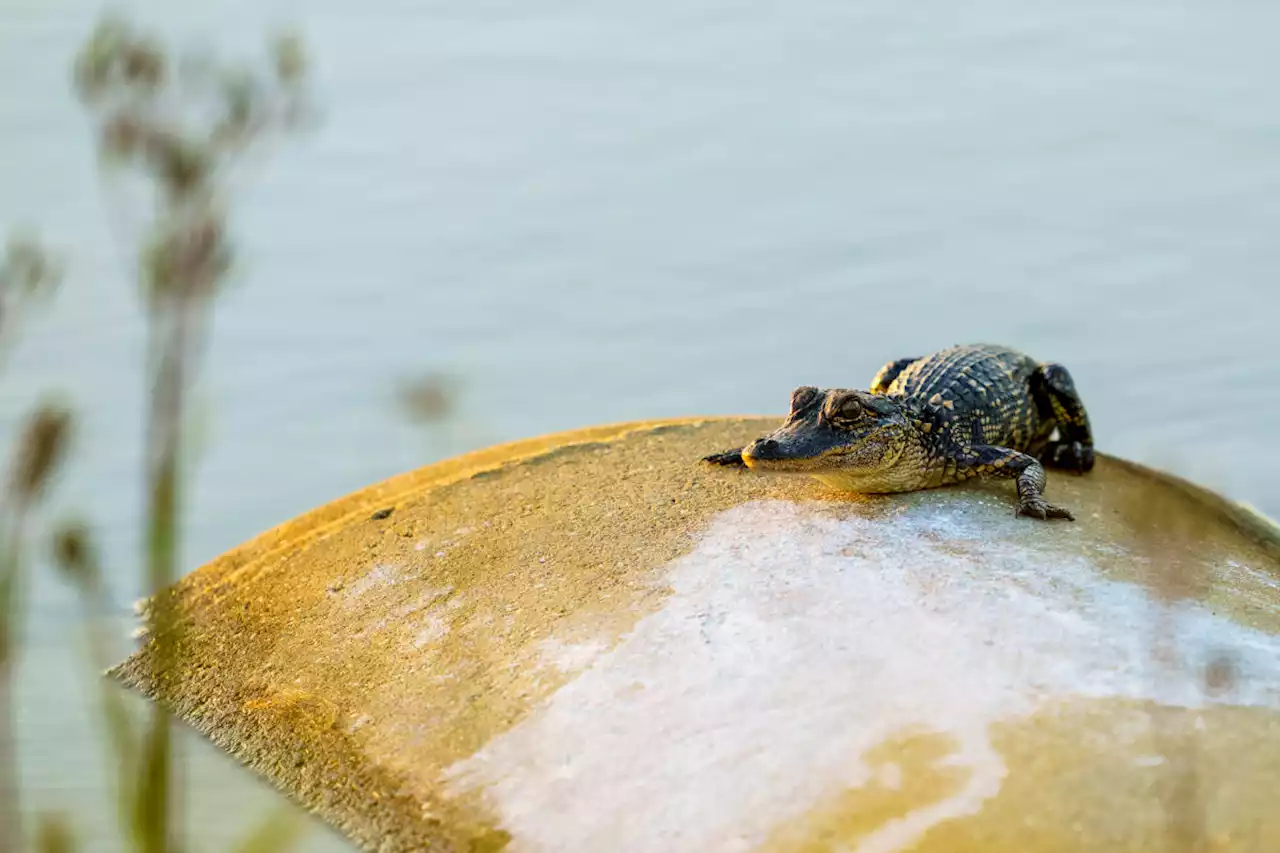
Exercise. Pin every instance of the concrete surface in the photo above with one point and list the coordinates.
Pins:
(589, 642)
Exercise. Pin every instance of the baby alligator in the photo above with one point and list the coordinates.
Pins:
(968, 411)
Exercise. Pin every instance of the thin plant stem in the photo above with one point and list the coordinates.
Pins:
(159, 789)
(11, 837)
(75, 554)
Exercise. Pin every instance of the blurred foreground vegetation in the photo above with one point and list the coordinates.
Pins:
(172, 130)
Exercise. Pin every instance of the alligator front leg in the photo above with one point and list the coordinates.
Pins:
(985, 460)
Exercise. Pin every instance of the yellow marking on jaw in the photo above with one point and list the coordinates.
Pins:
(872, 482)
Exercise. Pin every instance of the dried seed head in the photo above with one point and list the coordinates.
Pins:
(428, 398)
(27, 268)
(143, 63)
(41, 450)
(74, 554)
(290, 59)
(182, 165)
(122, 137)
(189, 259)
(97, 64)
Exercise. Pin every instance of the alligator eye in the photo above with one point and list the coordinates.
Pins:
(802, 397)
(845, 408)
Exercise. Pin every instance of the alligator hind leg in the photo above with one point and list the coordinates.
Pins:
(1073, 448)
(986, 460)
(731, 458)
(888, 373)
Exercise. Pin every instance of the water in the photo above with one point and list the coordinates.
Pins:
(595, 212)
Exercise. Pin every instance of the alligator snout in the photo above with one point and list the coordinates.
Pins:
(766, 449)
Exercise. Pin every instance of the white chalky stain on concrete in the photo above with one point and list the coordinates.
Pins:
(794, 641)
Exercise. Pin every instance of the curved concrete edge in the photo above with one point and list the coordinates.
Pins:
(322, 773)
(315, 523)
(1245, 518)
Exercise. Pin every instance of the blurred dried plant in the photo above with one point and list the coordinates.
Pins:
(76, 558)
(185, 123)
(181, 124)
(40, 450)
(428, 398)
(28, 272)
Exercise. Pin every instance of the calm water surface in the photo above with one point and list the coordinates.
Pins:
(597, 212)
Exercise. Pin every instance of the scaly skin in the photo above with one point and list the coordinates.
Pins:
(968, 411)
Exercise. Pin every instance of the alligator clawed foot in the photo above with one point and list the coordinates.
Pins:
(727, 458)
(1042, 509)
(1069, 456)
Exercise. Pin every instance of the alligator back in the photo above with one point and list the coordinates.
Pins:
(981, 391)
